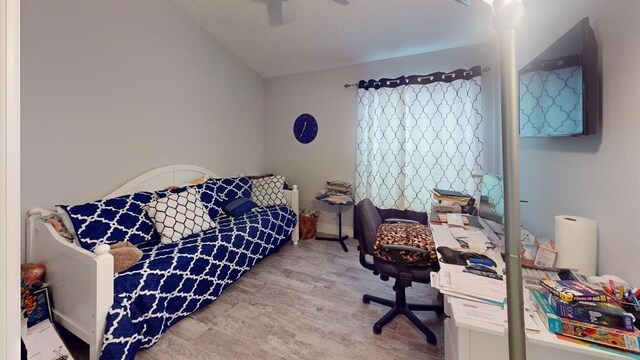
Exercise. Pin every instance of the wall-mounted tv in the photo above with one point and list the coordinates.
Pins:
(559, 89)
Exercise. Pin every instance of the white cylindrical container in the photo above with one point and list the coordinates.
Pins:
(577, 243)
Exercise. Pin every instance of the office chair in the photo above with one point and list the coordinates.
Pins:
(368, 221)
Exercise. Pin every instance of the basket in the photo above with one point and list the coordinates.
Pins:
(308, 223)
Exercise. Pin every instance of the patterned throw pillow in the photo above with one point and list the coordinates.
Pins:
(112, 220)
(213, 211)
(268, 191)
(179, 215)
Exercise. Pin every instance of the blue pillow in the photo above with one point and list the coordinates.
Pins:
(112, 220)
(239, 206)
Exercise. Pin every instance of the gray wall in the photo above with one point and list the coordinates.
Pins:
(594, 176)
(113, 88)
(332, 155)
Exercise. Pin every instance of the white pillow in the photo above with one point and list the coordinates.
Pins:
(268, 191)
(179, 215)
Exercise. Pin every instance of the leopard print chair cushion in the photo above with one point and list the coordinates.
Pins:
(416, 235)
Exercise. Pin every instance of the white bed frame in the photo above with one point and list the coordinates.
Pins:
(81, 281)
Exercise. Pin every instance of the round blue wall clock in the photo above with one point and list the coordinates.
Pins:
(305, 128)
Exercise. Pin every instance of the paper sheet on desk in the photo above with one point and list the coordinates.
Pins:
(529, 322)
(485, 313)
(453, 281)
(459, 233)
(477, 241)
(455, 220)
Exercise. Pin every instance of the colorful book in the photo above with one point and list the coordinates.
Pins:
(620, 339)
(573, 290)
(597, 313)
(546, 310)
(602, 335)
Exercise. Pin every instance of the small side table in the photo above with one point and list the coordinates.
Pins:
(340, 238)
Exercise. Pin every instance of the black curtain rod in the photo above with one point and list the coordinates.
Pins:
(485, 69)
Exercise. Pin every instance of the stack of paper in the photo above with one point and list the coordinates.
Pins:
(451, 280)
(43, 342)
(476, 311)
(487, 313)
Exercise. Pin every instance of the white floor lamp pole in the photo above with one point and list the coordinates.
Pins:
(505, 18)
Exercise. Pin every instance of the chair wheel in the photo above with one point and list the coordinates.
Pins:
(365, 299)
(432, 340)
(377, 329)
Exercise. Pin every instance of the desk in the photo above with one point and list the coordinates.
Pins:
(467, 339)
(340, 238)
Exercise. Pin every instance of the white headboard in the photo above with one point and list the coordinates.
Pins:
(161, 178)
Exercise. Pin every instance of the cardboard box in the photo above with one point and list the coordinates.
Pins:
(546, 253)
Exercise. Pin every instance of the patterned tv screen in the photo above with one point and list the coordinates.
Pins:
(556, 87)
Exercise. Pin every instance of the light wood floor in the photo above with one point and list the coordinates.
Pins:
(304, 302)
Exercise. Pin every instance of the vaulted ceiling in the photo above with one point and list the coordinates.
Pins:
(332, 33)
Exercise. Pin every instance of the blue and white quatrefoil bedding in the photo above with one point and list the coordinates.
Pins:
(174, 280)
(124, 218)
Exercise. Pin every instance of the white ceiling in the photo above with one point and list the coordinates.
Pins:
(327, 34)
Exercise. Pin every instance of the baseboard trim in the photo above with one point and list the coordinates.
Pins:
(332, 229)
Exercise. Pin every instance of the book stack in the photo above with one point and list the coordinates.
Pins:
(339, 192)
(574, 309)
(338, 188)
(455, 197)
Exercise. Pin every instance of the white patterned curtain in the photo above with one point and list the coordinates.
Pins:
(418, 133)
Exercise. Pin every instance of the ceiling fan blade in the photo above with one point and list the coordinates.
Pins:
(288, 11)
(281, 12)
(468, 2)
(342, 2)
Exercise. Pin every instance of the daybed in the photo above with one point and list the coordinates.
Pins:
(116, 315)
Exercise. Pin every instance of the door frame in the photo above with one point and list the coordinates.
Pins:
(10, 223)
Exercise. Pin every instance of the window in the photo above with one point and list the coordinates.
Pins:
(417, 133)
